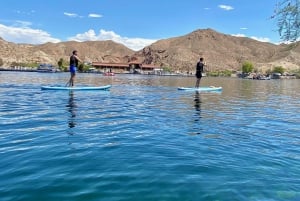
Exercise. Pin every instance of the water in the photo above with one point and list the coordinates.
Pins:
(145, 140)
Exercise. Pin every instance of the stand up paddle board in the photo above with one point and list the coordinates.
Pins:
(106, 87)
(211, 88)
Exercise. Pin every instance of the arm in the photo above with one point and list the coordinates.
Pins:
(203, 66)
(78, 58)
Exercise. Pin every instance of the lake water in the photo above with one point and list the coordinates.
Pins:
(145, 140)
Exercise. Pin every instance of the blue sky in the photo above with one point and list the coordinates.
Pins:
(134, 23)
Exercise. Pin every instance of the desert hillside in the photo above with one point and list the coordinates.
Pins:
(220, 51)
(102, 51)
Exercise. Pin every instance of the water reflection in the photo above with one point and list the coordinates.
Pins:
(197, 115)
(197, 103)
(71, 108)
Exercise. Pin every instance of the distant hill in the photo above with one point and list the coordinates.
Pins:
(220, 52)
(102, 51)
(181, 53)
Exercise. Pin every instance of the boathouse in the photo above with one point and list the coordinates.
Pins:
(131, 67)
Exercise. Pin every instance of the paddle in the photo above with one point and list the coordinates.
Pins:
(68, 83)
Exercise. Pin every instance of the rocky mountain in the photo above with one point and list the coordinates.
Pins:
(220, 52)
(102, 51)
(181, 53)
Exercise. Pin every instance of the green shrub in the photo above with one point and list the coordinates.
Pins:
(212, 74)
(247, 67)
(278, 69)
(224, 73)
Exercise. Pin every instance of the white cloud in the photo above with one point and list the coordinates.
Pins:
(226, 7)
(93, 15)
(20, 23)
(25, 34)
(71, 14)
(132, 43)
(31, 12)
(239, 35)
(243, 28)
(75, 15)
(261, 39)
(20, 32)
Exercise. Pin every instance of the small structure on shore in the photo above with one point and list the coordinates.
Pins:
(131, 67)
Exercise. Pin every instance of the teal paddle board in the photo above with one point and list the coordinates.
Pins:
(106, 87)
(211, 88)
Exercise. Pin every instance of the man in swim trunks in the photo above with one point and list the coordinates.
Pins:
(73, 67)
(199, 71)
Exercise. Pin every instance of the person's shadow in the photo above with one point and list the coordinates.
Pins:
(71, 108)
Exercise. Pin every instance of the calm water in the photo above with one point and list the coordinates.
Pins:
(145, 140)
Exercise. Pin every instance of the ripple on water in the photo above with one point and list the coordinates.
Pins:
(146, 140)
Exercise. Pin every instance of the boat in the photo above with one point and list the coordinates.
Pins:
(109, 74)
(47, 68)
(264, 78)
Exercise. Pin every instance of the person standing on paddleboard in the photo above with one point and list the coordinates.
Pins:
(199, 71)
(73, 67)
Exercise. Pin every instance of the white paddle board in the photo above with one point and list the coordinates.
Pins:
(211, 88)
(106, 87)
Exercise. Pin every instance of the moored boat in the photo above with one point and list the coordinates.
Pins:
(47, 68)
(109, 74)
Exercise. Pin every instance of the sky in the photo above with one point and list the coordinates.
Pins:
(133, 23)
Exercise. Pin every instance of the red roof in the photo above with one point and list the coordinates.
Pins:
(145, 66)
(110, 64)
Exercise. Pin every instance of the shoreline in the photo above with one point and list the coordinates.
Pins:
(24, 69)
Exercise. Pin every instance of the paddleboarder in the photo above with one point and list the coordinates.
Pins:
(199, 71)
(73, 67)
